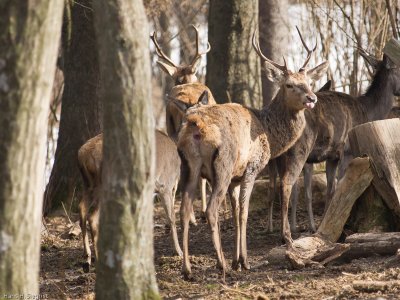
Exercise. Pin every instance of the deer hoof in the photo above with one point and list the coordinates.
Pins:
(86, 267)
(245, 264)
(235, 265)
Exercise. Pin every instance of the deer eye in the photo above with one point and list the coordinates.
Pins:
(289, 86)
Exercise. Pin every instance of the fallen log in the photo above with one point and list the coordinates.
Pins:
(369, 244)
(375, 286)
(321, 248)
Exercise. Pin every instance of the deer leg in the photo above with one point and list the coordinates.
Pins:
(343, 164)
(234, 192)
(87, 253)
(272, 194)
(94, 228)
(308, 171)
(331, 168)
(203, 187)
(246, 188)
(189, 179)
(167, 199)
(294, 198)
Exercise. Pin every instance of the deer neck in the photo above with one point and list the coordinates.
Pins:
(378, 100)
(282, 125)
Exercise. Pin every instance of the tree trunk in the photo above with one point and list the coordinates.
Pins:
(125, 269)
(233, 67)
(80, 110)
(274, 38)
(380, 140)
(29, 37)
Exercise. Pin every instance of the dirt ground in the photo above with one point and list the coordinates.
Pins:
(61, 275)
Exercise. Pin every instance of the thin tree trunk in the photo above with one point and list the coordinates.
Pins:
(233, 68)
(274, 38)
(80, 110)
(29, 37)
(125, 269)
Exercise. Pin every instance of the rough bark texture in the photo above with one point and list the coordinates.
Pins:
(29, 37)
(380, 140)
(274, 38)
(81, 109)
(125, 269)
(233, 68)
(368, 244)
(357, 178)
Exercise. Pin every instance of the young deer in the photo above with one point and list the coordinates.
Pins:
(90, 157)
(187, 89)
(325, 135)
(230, 144)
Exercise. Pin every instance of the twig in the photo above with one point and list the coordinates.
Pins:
(228, 289)
(66, 213)
(392, 20)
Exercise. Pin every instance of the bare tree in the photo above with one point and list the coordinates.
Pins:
(29, 37)
(81, 110)
(274, 37)
(125, 269)
(233, 69)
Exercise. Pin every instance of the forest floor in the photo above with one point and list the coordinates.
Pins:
(62, 277)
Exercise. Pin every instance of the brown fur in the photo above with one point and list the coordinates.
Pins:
(90, 157)
(229, 145)
(325, 136)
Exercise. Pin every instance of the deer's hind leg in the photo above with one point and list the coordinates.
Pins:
(83, 211)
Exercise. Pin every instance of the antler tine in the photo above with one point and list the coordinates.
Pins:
(199, 54)
(256, 46)
(159, 52)
(309, 52)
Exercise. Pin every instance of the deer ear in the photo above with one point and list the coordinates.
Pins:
(203, 99)
(388, 63)
(273, 74)
(318, 71)
(171, 70)
(327, 86)
(182, 106)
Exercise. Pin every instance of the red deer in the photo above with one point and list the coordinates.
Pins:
(230, 144)
(187, 89)
(325, 135)
(90, 157)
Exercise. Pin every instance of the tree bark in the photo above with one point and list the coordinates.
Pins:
(29, 37)
(125, 269)
(233, 67)
(380, 140)
(81, 111)
(368, 244)
(274, 38)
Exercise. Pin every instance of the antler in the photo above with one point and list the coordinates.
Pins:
(256, 46)
(309, 52)
(159, 52)
(198, 55)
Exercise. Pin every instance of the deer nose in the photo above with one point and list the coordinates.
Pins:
(311, 98)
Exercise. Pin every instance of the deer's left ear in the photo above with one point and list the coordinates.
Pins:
(318, 71)
(203, 99)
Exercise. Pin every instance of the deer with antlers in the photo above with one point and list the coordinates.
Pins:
(187, 89)
(325, 135)
(230, 144)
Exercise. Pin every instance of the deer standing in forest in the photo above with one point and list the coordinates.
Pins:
(187, 89)
(325, 136)
(230, 144)
(90, 157)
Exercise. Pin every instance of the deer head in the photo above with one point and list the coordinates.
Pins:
(184, 73)
(295, 86)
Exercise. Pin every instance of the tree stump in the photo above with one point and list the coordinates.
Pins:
(380, 141)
